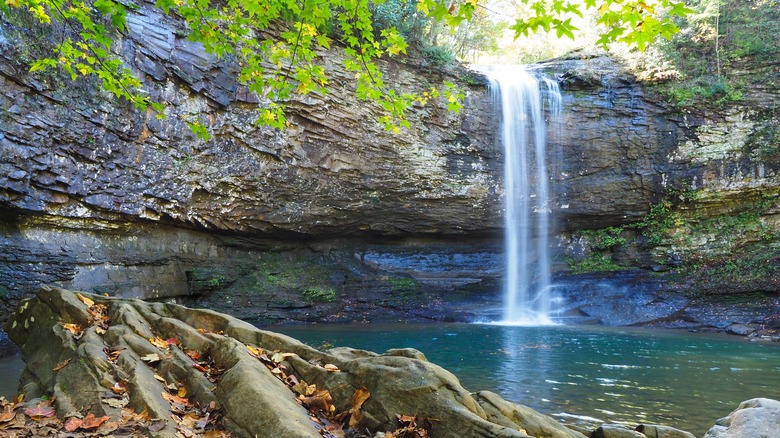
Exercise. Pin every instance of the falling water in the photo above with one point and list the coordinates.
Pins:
(527, 219)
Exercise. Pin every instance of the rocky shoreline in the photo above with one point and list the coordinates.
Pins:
(126, 367)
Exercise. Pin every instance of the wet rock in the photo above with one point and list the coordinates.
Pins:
(754, 418)
(741, 329)
(81, 348)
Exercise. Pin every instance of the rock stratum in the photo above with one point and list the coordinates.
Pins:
(100, 365)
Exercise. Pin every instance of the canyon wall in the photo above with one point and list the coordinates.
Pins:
(335, 215)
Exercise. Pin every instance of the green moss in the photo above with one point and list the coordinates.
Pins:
(593, 263)
(602, 239)
(320, 294)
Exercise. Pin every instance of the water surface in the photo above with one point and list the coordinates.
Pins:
(615, 375)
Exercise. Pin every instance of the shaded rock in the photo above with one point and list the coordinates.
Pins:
(149, 348)
(754, 418)
(609, 431)
(740, 329)
(656, 431)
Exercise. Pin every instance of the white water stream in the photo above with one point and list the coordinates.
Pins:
(527, 220)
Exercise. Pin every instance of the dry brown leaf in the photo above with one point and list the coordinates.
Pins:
(358, 398)
(194, 354)
(175, 399)
(320, 400)
(40, 412)
(92, 422)
(119, 387)
(61, 365)
(85, 300)
(72, 424)
(331, 368)
(112, 353)
(8, 414)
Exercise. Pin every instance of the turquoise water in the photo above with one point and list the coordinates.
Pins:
(583, 374)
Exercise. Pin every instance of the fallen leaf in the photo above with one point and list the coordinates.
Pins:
(61, 365)
(280, 357)
(159, 377)
(72, 424)
(175, 399)
(92, 422)
(254, 351)
(100, 330)
(119, 387)
(304, 389)
(172, 341)
(320, 400)
(358, 398)
(85, 300)
(40, 412)
(159, 342)
(151, 358)
(193, 354)
(8, 414)
(331, 368)
(74, 329)
(182, 391)
(112, 353)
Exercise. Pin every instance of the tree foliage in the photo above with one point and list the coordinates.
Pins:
(277, 43)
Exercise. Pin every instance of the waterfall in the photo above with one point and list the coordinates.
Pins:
(527, 220)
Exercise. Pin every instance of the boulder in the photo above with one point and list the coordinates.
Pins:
(656, 431)
(754, 418)
(187, 369)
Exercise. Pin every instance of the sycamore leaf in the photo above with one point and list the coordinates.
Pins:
(40, 412)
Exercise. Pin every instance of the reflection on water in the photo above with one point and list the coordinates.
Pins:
(10, 369)
(575, 373)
